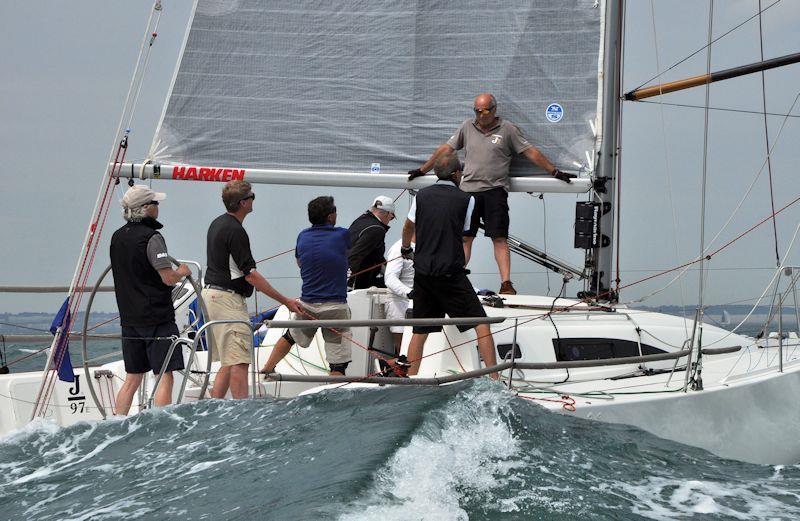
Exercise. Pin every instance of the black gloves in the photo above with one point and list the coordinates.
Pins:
(413, 174)
(410, 295)
(407, 252)
(563, 176)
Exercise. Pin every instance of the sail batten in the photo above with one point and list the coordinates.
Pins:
(355, 84)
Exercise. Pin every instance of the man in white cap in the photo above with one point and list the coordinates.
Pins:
(367, 234)
(143, 282)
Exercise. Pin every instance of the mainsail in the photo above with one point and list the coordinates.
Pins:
(343, 86)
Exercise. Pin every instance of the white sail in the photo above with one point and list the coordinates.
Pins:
(349, 85)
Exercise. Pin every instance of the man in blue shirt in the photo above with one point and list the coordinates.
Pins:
(321, 253)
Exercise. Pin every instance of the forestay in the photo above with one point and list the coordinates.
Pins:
(342, 86)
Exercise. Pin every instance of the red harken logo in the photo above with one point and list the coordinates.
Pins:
(206, 173)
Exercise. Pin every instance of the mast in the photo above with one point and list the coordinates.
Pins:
(601, 256)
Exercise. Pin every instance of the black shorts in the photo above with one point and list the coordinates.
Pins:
(491, 207)
(436, 295)
(142, 353)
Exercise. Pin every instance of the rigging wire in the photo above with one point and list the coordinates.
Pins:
(701, 49)
(686, 266)
(668, 176)
(721, 109)
(766, 133)
(91, 240)
(697, 328)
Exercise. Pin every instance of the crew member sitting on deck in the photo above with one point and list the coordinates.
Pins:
(143, 281)
(367, 235)
(321, 253)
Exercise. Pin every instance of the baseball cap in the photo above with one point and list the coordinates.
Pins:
(140, 195)
(384, 203)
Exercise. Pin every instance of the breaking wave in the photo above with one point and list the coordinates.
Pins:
(468, 451)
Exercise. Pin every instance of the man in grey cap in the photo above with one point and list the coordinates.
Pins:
(367, 234)
(490, 143)
(143, 282)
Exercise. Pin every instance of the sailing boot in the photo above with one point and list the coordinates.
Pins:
(507, 288)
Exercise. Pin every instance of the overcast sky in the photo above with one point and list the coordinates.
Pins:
(67, 65)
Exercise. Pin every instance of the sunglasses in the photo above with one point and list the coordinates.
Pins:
(487, 110)
(251, 196)
(151, 203)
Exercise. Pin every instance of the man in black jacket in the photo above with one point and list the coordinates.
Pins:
(439, 215)
(367, 234)
(143, 281)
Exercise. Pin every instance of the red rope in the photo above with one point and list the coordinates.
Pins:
(87, 261)
(274, 256)
(566, 401)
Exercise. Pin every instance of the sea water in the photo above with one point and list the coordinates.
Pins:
(465, 451)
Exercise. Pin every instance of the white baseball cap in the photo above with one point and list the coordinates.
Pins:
(384, 203)
(140, 195)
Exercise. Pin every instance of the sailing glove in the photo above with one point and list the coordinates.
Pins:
(563, 176)
(407, 252)
(413, 174)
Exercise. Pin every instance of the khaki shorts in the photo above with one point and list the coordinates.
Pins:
(231, 342)
(337, 347)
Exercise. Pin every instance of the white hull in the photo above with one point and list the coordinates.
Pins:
(745, 411)
(751, 417)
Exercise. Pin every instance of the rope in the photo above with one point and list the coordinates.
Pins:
(352, 275)
(566, 401)
(92, 240)
(458, 360)
(275, 256)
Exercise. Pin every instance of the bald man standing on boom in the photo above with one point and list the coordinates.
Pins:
(490, 143)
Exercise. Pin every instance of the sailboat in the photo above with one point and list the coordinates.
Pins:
(354, 96)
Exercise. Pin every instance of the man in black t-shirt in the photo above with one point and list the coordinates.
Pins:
(230, 277)
(143, 281)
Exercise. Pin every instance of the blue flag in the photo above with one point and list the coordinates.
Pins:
(65, 372)
(195, 314)
(258, 335)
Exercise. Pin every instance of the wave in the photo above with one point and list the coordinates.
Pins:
(467, 451)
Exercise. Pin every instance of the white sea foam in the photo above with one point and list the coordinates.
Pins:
(665, 498)
(36, 427)
(204, 465)
(465, 450)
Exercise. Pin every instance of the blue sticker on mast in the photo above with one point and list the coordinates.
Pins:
(61, 359)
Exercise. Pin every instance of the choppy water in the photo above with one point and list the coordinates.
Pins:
(470, 451)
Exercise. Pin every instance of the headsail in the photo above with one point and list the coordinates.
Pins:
(341, 86)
